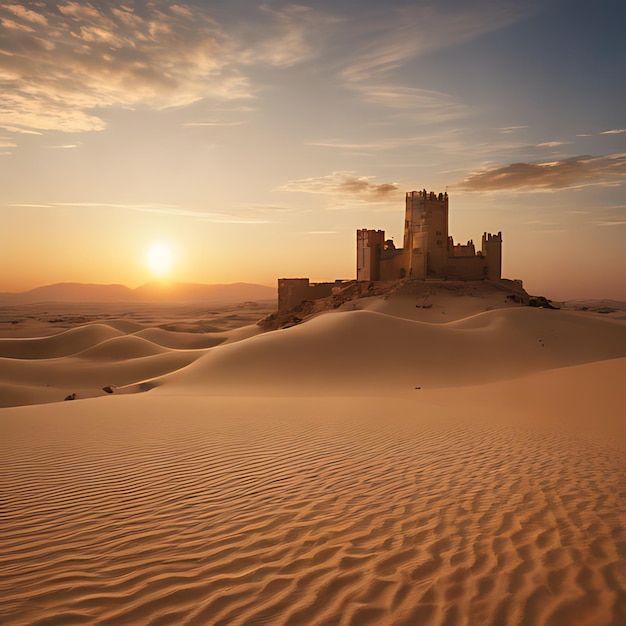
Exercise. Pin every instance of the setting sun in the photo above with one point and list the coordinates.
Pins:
(159, 258)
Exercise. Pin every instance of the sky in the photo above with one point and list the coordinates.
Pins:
(230, 140)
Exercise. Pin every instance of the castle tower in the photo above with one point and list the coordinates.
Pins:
(492, 251)
(369, 246)
(426, 233)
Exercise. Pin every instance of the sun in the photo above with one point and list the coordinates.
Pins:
(159, 258)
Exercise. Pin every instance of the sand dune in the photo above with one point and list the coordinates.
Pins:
(121, 349)
(87, 378)
(180, 340)
(300, 477)
(50, 318)
(125, 325)
(85, 359)
(364, 352)
(63, 344)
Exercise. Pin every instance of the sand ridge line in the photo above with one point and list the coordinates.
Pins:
(65, 343)
(350, 352)
(82, 361)
(336, 352)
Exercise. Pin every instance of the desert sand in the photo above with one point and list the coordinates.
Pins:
(462, 463)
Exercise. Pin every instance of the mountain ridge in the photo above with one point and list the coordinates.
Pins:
(148, 292)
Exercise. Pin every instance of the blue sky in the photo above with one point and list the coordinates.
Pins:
(255, 138)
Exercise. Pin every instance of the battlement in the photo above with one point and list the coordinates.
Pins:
(490, 238)
(426, 195)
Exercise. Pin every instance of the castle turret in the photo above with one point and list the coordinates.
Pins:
(492, 251)
(369, 247)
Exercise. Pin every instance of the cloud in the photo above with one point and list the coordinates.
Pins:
(21, 131)
(62, 60)
(615, 131)
(447, 139)
(26, 14)
(611, 215)
(160, 209)
(421, 104)
(552, 144)
(381, 47)
(293, 35)
(345, 184)
(68, 59)
(510, 129)
(214, 123)
(341, 144)
(414, 30)
(271, 209)
(579, 171)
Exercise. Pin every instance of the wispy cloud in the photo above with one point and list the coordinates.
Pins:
(615, 131)
(341, 144)
(424, 27)
(191, 124)
(611, 215)
(346, 184)
(579, 171)
(448, 139)
(510, 129)
(136, 207)
(423, 105)
(160, 209)
(293, 34)
(26, 14)
(262, 209)
(552, 144)
(394, 39)
(62, 61)
(21, 131)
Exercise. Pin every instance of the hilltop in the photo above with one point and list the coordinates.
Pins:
(426, 300)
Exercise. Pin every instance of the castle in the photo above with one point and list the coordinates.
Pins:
(428, 252)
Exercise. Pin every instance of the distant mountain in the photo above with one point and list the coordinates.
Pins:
(70, 292)
(150, 292)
